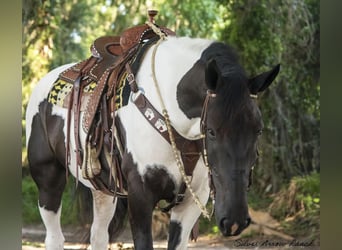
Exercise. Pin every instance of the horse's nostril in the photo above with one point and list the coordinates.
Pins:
(248, 221)
(222, 223)
(224, 226)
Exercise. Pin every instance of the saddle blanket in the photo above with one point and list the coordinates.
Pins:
(60, 93)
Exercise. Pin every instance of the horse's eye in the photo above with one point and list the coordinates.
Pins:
(211, 133)
(259, 132)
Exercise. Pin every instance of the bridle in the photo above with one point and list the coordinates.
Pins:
(203, 127)
(203, 124)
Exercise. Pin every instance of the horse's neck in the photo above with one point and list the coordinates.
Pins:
(174, 58)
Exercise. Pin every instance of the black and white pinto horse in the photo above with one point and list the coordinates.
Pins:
(187, 70)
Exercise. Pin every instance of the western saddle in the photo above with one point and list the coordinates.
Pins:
(112, 59)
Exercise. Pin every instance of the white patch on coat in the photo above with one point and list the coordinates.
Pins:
(54, 239)
(170, 68)
(144, 143)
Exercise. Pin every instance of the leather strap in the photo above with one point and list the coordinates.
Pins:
(67, 146)
(108, 139)
(76, 109)
(80, 69)
(131, 79)
(190, 150)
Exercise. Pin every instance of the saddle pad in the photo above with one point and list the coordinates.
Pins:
(60, 93)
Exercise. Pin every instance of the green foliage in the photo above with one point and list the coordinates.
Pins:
(298, 205)
(190, 18)
(30, 212)
(249, 32)
(209, 226)
(264, 32)
(300, 196)
(258, 201)
(56, 33)
(268, 32)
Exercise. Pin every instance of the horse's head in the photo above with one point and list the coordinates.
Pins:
(232, 126)
(231, 122)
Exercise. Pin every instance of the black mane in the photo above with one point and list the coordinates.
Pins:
(232, 90)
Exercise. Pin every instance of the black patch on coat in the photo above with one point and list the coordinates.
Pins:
(192, 88)
(46, 156)
(143, 194)
(191, 91)
(159, 182)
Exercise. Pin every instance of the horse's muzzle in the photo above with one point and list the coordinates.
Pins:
(229, 228)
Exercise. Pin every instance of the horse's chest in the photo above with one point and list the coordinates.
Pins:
(158, 180)
(147, 147)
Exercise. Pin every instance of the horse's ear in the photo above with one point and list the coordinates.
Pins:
(211, 74)
(260, 82)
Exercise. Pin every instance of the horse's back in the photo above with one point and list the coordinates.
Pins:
(40, 93)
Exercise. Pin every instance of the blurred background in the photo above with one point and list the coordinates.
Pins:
(286, 181)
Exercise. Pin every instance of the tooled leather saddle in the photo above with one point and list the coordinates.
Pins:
(112, 60)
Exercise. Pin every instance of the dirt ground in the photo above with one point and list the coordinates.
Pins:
(263, 233)
(33, 239)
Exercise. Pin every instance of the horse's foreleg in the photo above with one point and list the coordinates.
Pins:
(183, 217)
(104, 208)
(140, 206)
(140, 216)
